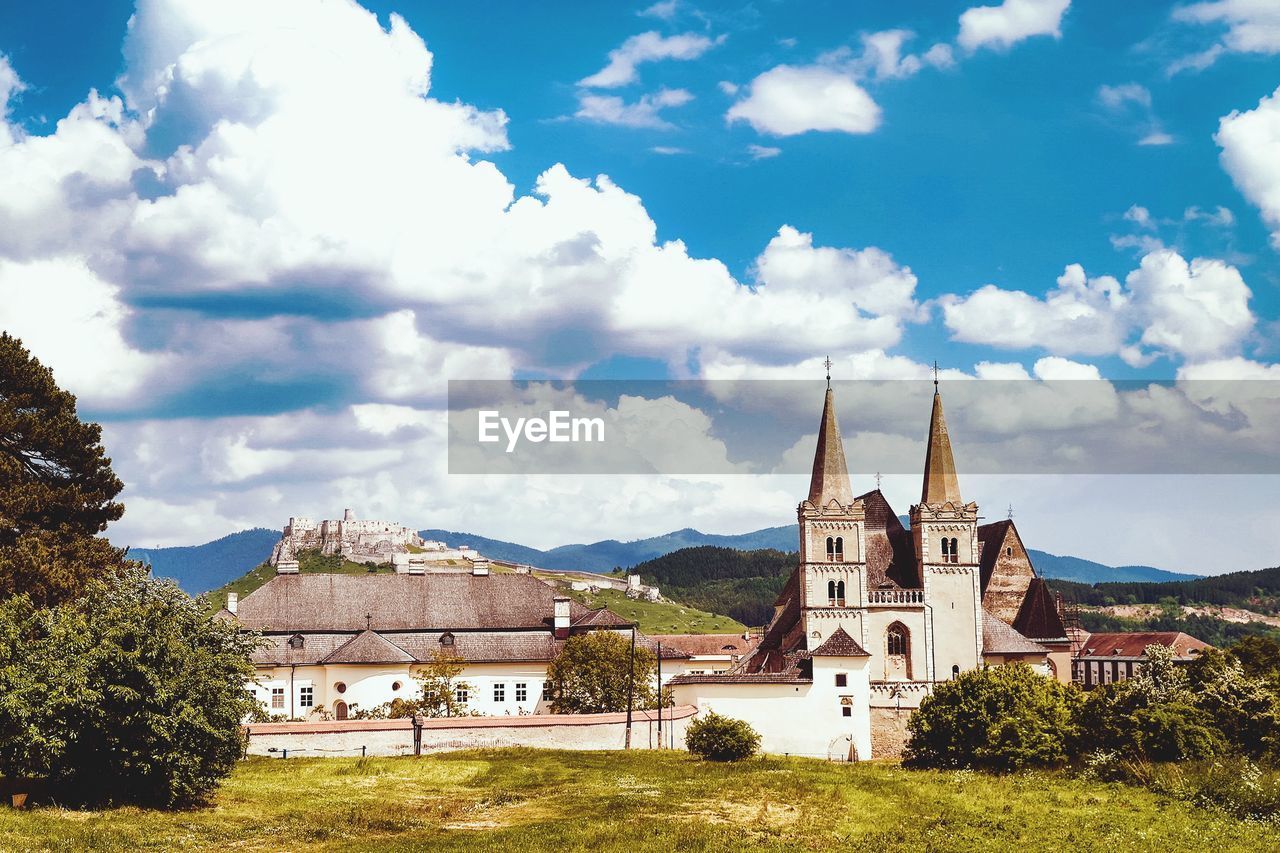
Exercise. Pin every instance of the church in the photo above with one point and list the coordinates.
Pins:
(875, 613)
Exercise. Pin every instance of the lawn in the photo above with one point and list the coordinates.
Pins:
(509, 800)
(660, 617)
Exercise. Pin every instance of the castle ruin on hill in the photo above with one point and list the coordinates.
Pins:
(361, 541)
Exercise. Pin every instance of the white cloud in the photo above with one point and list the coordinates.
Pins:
(668, 150)
(1250, 143)
(789, 100)
(664, 10)
(762, 152)
(728, 88)
(939, 56)
(1220, 217)
(1117, 97)
(1253, 26)
(1131, 102)
(611, 109)
(1012, 21)
(647, 47)
(1195, 310)
(1140, 216)
(1157, 137)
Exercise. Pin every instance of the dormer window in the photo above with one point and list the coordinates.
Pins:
(296, 642)
(446, 639)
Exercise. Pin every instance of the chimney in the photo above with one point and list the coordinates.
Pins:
(480, 568)
(562, 617)
(233, 601)
(287, 567)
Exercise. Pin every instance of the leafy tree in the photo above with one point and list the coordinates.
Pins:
(129, 694)
(1241, 708)
(1260, 657)
(721, 738)
(590, 675)
(57, 489)
(439, 682)
(995, 718)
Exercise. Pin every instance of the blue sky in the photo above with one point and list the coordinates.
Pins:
(289, 227)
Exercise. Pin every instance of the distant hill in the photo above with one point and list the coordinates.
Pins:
(743, 584)
(1258, 591)
(200, 568)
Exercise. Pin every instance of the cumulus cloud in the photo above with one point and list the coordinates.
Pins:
(1252, 26)
(1003, 26)
(611, 109)
(1195, 309)
(1250, 143)
(647, 47)
(789, 100)
(664, 10)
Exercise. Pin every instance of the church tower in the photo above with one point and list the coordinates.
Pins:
(831, 536)
(945, 531)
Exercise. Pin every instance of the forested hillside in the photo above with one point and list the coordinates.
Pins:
(741, 584)
(1257, 590)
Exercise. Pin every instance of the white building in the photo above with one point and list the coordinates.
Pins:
(875, 613)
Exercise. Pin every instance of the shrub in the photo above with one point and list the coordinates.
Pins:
(995, 718)
(721, 738)
(130, 694)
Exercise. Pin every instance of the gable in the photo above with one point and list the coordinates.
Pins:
(1006, 569)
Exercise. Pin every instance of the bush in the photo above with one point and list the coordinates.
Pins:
(129, 694)
(995, 718)
(721, 738)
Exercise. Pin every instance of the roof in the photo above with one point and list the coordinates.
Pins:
(992, 537)
(940, 481)
(601, 618)
(830, 478)
(386, 602)
(703, 645)
(418, 646)
(788, 677)
(1133, 644)
(890, 550)
(1038, 617)
(368, 647)
(840, 644)
(1000, 638)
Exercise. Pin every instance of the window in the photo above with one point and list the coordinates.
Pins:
(546, 691)
(846, 711)
(499, 692)
(295, 642)
(955, 552)
(460, 694)
(396, 685)
(946, 550)
(277, 698)
(842, 679)
(446, 639)
(831, 550)
(955, 670)
(522, 691)
(839, 549)
(306, 697)
(1008, 551)
(831, 593)
(341, 687)
(840, 593)
(896, 639)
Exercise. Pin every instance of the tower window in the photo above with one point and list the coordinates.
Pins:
(840, 593)
(896, 642)
(831, 550)
(835, 593)
(839, 549)
(1008, 551)
(842, 679)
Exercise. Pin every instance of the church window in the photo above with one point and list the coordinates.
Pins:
(1008, 551)
(842, 679)
(831, 593)
(955, 671)
(839, 549)
(840, 593)
(341, 687)
(896, 639)
(831, 550)
(955, 551)
(395, 686)
(946, 549)
(847, 711)
(499, 692)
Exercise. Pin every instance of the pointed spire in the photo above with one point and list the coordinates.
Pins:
(830, 473)
(940, 481)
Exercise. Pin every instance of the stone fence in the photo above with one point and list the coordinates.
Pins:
(395, 737)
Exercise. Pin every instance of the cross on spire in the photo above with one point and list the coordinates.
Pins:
(1010, 511)
(877, 481)
(368, 621)
(827, 363)
(935, 374)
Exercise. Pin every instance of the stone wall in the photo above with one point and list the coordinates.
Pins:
(888, 732)
(542, 731)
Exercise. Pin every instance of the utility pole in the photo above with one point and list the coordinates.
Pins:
(659, 695)
(631, 677)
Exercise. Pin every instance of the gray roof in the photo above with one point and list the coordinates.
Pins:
(999, 638)
(351, 603)
(369, 647)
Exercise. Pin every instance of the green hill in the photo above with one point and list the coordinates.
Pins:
(742, 584)
(1257, 590)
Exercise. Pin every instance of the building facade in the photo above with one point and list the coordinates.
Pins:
(1104, 658)
(876, 613)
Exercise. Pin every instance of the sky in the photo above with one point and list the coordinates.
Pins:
(257, 240)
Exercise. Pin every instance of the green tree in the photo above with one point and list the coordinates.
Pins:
(590, 675)
(721, 738)
(438, 680)
(994, 718)
(57, 489)
(1242, 708)
(129, 694)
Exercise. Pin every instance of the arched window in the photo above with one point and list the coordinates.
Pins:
(955, 551)
(1008, 551)
(831, 550)
(839, 549)
(840, 593)
(896, 639)
(955, 671)
(831, 593)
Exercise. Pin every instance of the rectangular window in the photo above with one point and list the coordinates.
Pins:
(306, 697)
(499, 692)
(460, 695)
(522, 691)
(842, 680)
(546, 691)
(277, 698)
(846, 711)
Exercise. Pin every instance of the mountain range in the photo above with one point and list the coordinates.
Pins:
(200, 568)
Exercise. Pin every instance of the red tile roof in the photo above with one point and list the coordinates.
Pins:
(1134, 644)
(698, 645)
(840, 644)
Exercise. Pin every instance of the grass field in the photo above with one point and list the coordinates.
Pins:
(511, 800)
(660, 617)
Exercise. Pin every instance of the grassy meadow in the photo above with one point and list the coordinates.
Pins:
(659, 617)
(510, 800)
